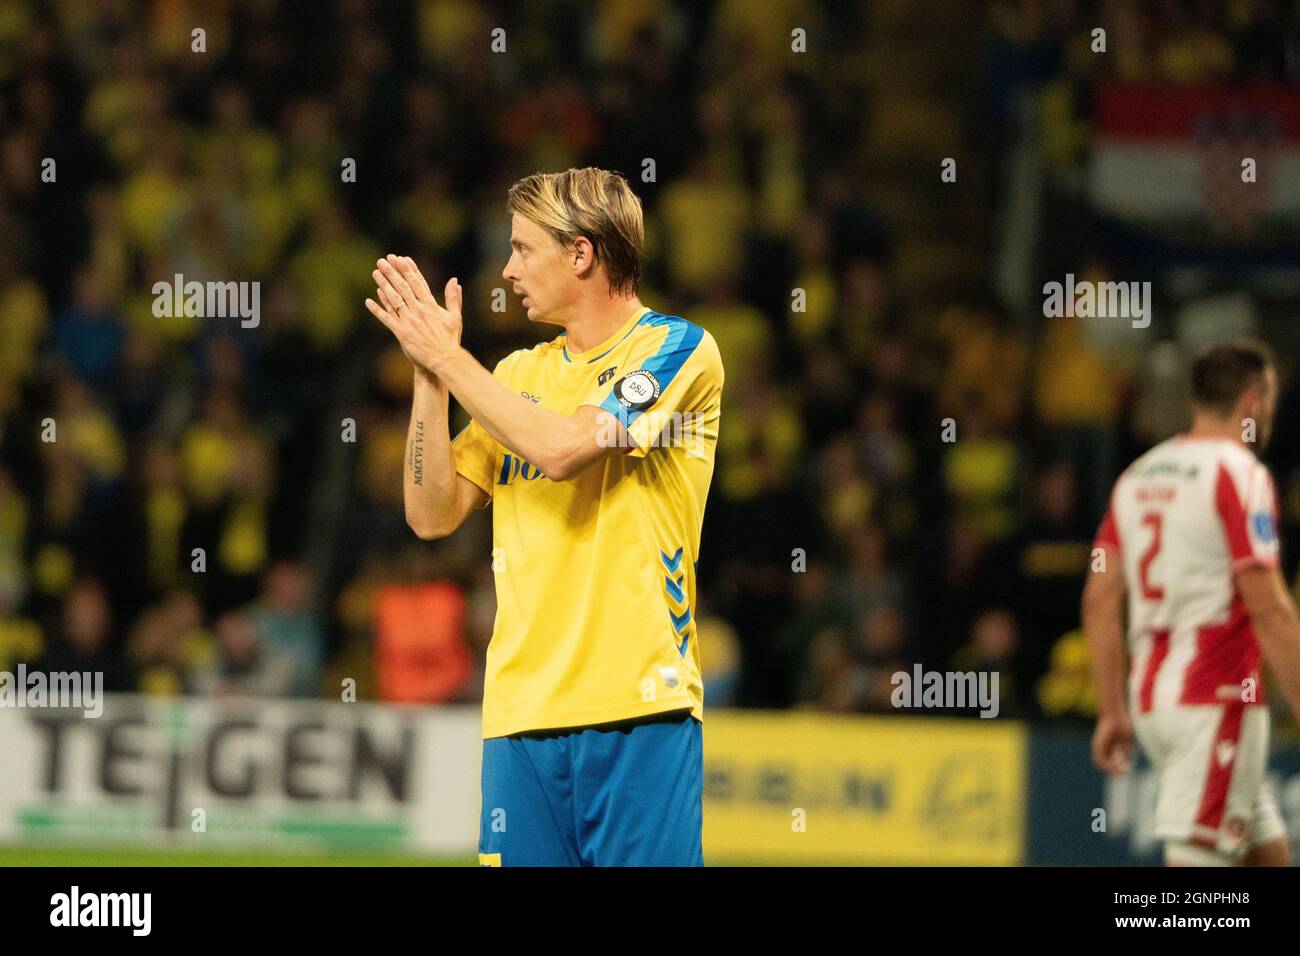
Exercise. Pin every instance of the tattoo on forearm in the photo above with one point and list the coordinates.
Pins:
(416, 454)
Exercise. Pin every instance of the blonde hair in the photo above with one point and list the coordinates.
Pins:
(590, 202)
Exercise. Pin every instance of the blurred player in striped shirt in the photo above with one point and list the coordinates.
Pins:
(1190, 539)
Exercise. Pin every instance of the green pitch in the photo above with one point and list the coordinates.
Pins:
(76, 856)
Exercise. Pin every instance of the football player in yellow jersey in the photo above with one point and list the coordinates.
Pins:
(596, 451)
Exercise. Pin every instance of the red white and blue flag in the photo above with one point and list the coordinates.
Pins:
(1166, 155)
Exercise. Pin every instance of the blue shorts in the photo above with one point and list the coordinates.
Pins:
(628, 794)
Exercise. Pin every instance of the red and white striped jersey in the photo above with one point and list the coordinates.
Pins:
(1183, 519)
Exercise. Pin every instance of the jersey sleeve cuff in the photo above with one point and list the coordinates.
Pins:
(639, 435)
(1254, 560)
(483, 484)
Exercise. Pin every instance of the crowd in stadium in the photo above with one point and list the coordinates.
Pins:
(190, 505)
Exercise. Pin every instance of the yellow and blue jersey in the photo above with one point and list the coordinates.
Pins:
(595, 576)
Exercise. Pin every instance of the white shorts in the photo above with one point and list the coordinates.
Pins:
(1213, 801)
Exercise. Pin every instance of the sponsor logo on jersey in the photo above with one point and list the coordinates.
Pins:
(606, 375)
(512, 467)
(1262, 522)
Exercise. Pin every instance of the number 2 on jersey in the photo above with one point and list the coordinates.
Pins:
(1151, 592)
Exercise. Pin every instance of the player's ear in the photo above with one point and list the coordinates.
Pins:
(583, 256)
(1252, 401)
